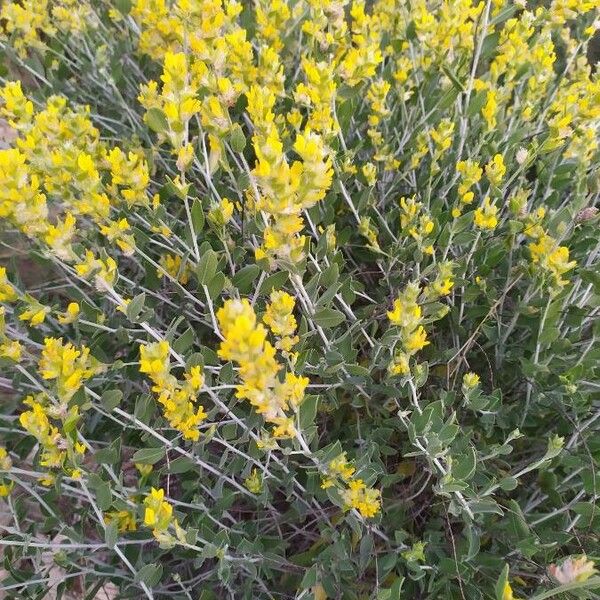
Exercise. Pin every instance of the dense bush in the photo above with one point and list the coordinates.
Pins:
(299, 299)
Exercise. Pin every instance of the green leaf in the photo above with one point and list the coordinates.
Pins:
(181, 465)
(184, 341)
(308, 411)
(156, 120)
(103, 495)
(111, 399)
(310, 578)
(197, 216)
(463, 467)
(111, 534)
(328, 317)
(123, 6)
(149, 574)
(207, 267)
(148, 456)
(135, 307)
(244, 278)
(365, 551)
(237, 138)
(274, 282)
(216, 285)
(499, 588)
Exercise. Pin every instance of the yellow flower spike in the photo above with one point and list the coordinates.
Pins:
(12, 350)
(221, 213)
(37, 423)
(5, 460)
(551, 258)
(69, 366)
(254, 482)
(369, 172)
(177, 399)
(495, 170)
(144, 469)
(104, 271)
(341, 467)
(365, 500)
(470, 380)
(158, 515)
(195, 378)
(17, 107)
(185, 157)
(416, 341)
(279, 317)
(486, 216)
(118, 232)
(400, 365)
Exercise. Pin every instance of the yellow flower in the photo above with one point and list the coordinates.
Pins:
(365, 500)
(70, 315)
(35, 314)
(175, 267)
(417, 340)
(36, 422)
(341, 467)
(221, 213)
(495, 170)
(5, 460)
(177, 400)
(254, 482)
(11, 349)
(158, 513)
(552, 258)
(406, 312)
(125, 520)
(470, 380)
(7, 291)
(486, 216)
(69, 366)
(401, 364)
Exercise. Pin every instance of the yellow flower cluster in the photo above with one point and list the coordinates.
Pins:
(486, 216)
(60, 175)
(7, 292)
(470, 173)
(407, 315)
(245, 342)
(175, 267)
(124, 519)
(5, 465)
(158, 515)
(364, 499)
(176, 398)
(30, 23)
(285, 190)
(55, 446)
(68, 366)
(280, 320)
(552, 258)
(416, 222)
(355, 493)
(9, 349)
(443, 283)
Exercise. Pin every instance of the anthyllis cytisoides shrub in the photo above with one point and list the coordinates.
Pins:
(299, 299)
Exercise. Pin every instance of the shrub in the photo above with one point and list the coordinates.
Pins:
(299, 299)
